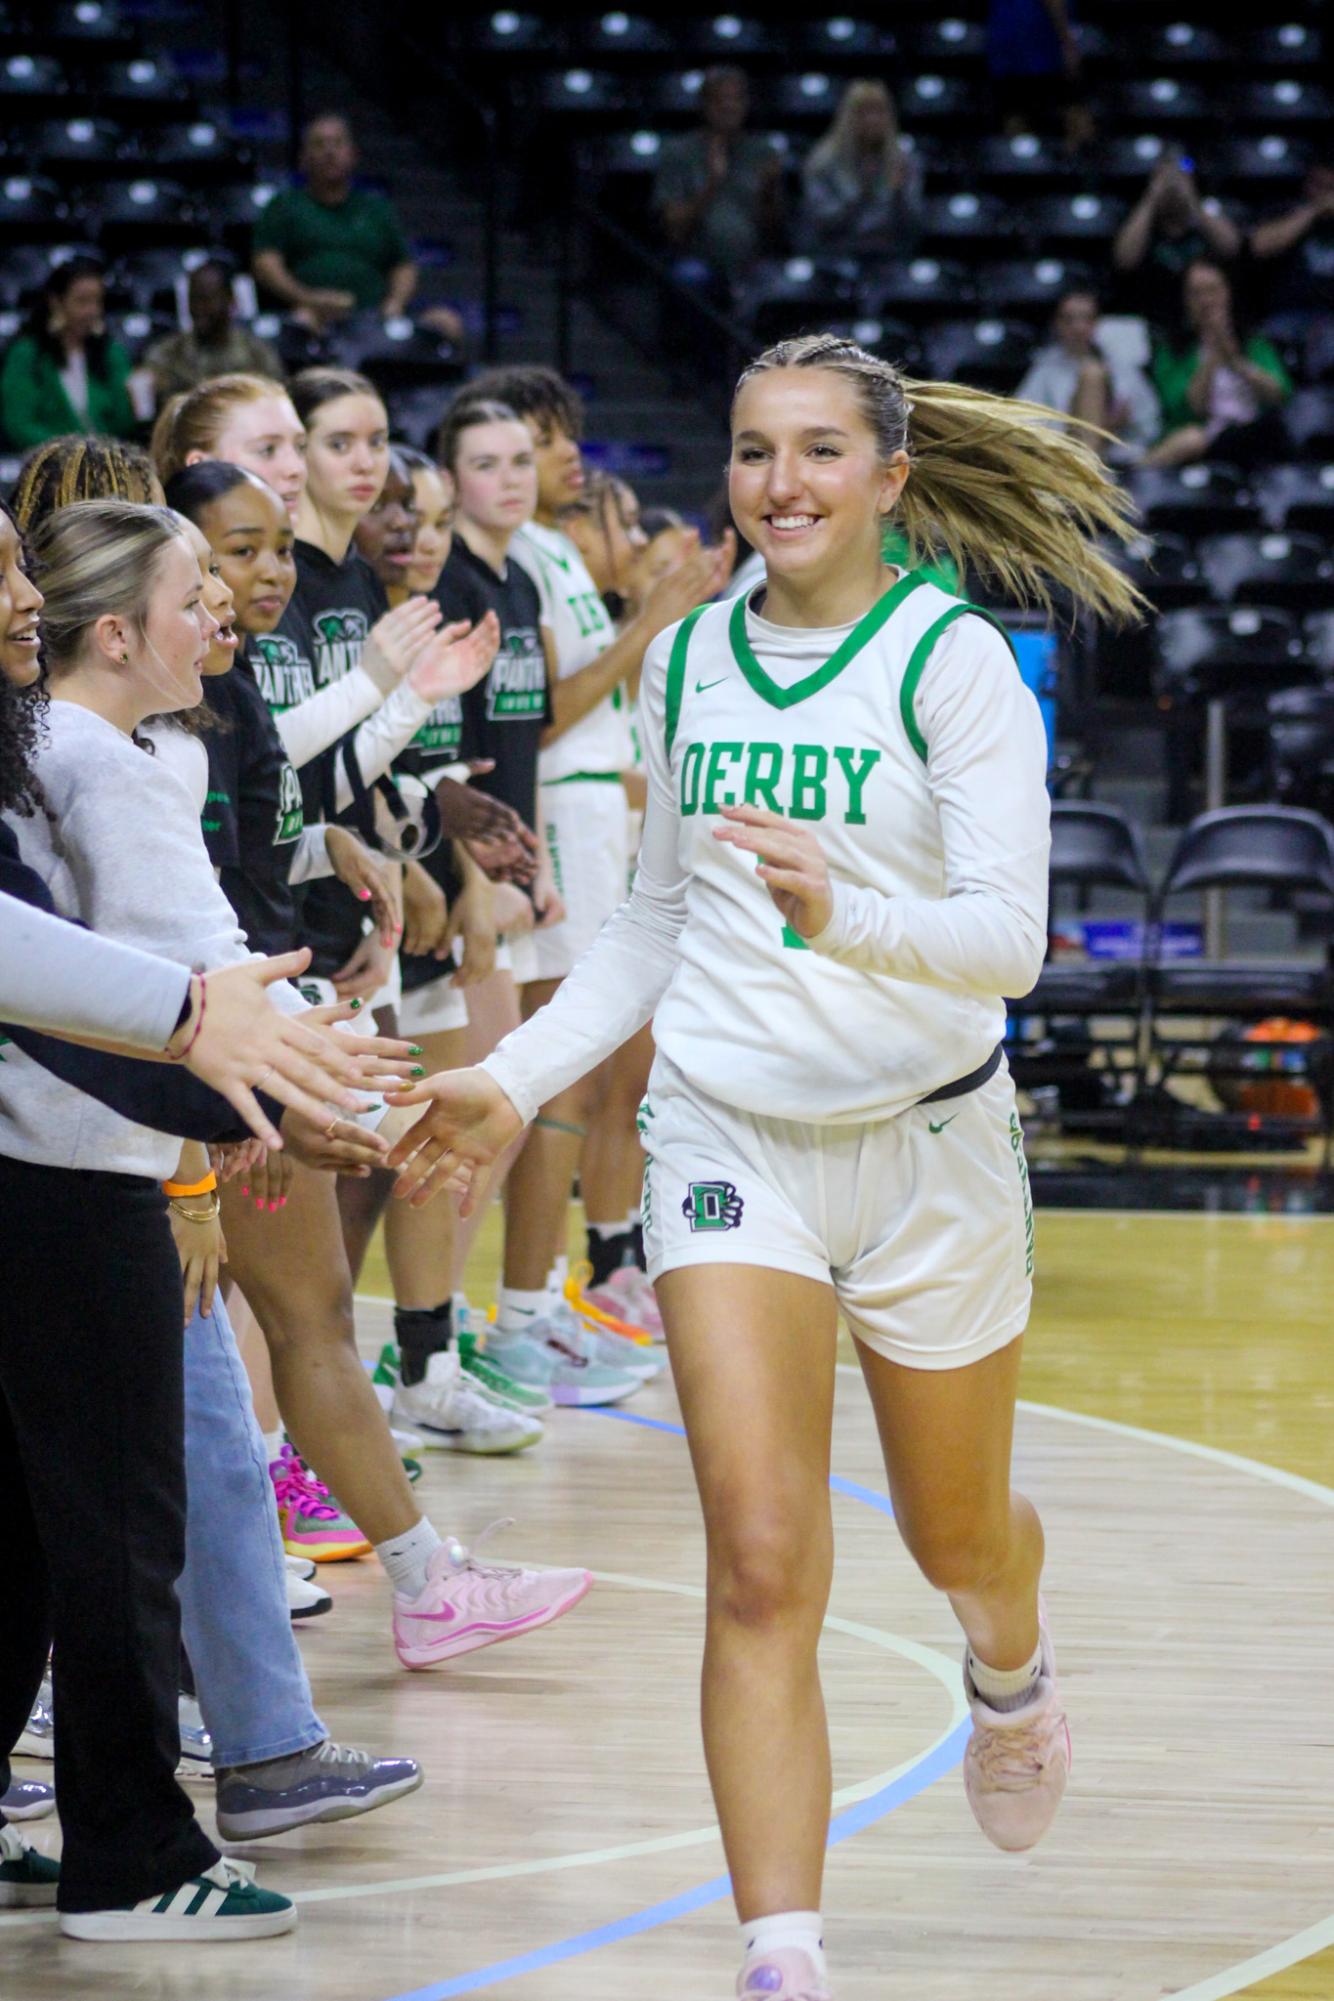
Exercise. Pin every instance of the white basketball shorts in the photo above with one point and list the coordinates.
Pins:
(586, 826)
(923, 1223)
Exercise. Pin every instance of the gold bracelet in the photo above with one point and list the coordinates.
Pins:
(209, 1215)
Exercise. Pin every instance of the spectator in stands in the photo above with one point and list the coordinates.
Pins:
(861, 188)
(214, 343)
(1073, 374)
(329, 248)
(65, 372)
(719, 190)
(1296, 252)
(1036, 68)
(1168, 229)
(1220, 391)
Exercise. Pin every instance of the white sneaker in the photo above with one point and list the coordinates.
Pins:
(37, 1739)
(300, 1566)
(196, 1744)
(306, 1600)
(453, 1413)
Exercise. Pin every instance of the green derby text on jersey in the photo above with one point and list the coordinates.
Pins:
(804, 781)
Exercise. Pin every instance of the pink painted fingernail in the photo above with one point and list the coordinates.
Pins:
(259, 1204)
(245, 1191)
(273, 1208)
(282, 1201)
(365, 895)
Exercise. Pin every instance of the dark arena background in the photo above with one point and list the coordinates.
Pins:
(1121, 210)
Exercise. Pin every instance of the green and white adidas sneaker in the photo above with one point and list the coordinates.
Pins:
(222, 1903)
(488, 1375)
(28, 1880)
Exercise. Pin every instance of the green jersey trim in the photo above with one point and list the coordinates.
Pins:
(676, 673)
(861, 635)
(916, 667)
(586, 778)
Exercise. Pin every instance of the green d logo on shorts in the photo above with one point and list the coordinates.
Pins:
(712, 1205)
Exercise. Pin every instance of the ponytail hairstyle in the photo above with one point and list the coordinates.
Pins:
(22, 727)
(194, 420)
(314, 387)
(95, 557)
(992, 481)
(65, 470)
(465, 413)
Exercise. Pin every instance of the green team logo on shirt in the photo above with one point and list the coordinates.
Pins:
(588, 612)
(283, 674)
(517, 684)
(803, 781)
(442, 732)
(713, 1205)
(338, 638)
(291, 816)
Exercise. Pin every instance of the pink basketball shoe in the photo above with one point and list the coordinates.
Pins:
(466, 1605)
(1016, 1764)
(782, 1976)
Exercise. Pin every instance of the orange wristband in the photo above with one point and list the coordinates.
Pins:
(204, 1187)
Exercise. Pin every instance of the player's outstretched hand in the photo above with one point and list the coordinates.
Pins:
(395, 641)
(467, 1124)
(699, 576)
(455, 659)
(792, 866)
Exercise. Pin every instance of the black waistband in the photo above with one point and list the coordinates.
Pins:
(972, 1082)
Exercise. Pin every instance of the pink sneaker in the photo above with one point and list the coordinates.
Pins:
(312, 1525)
(1016, 1765)
(628, 1294)
(467, 1605)
(782, 1976)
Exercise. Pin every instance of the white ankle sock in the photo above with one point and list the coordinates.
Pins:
(273, 1442)
(1005, 1689)
(517, 1310)
(782, 1932)
(406, 1556)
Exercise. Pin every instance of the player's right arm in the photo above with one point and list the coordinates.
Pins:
(472, 1115)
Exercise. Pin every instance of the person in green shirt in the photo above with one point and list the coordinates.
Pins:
(1219, 392)
(64, 373)
(329, 249)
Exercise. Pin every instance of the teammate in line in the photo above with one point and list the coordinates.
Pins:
(843, 873)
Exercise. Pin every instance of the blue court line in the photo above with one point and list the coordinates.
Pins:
(852, 1820)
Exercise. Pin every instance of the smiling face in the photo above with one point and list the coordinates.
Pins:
(20, 603)
(808, 486)
(347, 456)
(495, 472)
(166, 657)
(433, 498)
(217, 601)
(385, 536)
(251, 538)
(266, 436)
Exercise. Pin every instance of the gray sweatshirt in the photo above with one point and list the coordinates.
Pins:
(122, 850)
(56, 977)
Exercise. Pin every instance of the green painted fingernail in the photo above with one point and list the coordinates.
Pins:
(417, 1070)
(414, 1049)
(355, 1005)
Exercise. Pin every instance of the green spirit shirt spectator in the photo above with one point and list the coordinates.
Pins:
(347, 246)
(64, 373)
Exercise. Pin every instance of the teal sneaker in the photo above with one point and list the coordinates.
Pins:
(220, 1903)
(28, 1881)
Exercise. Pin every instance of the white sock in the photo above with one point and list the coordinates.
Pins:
(273, 1442)
(782, 1932)
(1005, 1689)
(406, 1556)
(560, 1271)
(517, 1310)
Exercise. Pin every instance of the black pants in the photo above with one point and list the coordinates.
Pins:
(92, 1495)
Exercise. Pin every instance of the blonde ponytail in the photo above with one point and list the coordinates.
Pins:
(1003, 487)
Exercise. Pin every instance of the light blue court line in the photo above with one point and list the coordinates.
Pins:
(946, 1756)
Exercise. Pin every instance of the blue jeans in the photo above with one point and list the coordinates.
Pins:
(249, 1675)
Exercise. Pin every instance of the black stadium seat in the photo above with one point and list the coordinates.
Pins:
(730, 38)
(1263, 168)
(144, 211)
(72, 149)
(966, 224)
(1318, 642)
(1285, 102)
(1166, 568)
(141, 85)
(1196, 499)
(33, 210)
(951, 103)
(1087, 220)
(799, 296)
(1289, 570)
(1309, 418)
(31, 84)
(1020, 163)
(1210, 651)
(1185, 46)
(919, 287)
(1126, 160)
(987, 354)
(837, 35)
(1291, 47)
(1166, 102)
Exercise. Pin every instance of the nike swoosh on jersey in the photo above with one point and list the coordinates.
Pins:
(931, 1125)
(703, 687)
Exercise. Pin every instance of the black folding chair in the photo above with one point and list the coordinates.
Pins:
(1093, 846)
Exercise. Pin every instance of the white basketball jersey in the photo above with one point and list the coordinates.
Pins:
(581, 627)
(822, 727)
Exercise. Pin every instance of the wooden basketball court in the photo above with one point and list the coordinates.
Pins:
(1177, 1438)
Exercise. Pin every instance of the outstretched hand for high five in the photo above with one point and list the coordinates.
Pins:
(395, 641)
(467, 1124)
(455, 659)
(792, 866)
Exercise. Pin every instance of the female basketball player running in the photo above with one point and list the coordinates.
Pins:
(843, 872)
